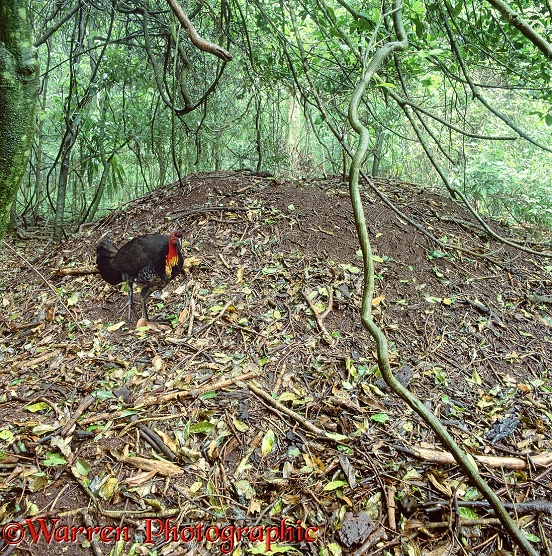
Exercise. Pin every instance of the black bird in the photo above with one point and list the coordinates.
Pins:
(151, 260)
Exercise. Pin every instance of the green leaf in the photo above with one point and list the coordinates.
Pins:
(41, 429)
(532, 538)
(104, 394)
(202, 427)
(440, 377)
(335, 549)
(244, 488)
(267, 443)
(54, 459)
(40, 406)
(333, 485)
(467, 513)
(208, 395)
(240, 425)
(458, 8)
(471, 494)
(336, 436)
(83, 467)
(287, 396)
(380, 417)
(6, 435)
(436, 254)
(293, 452)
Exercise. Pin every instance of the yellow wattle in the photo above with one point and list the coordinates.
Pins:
(172, 258)
(171, 263)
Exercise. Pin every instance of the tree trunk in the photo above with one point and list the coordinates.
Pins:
(18, 94)
(377, 152)
(258, 135)
(62, 184)
(293, 139)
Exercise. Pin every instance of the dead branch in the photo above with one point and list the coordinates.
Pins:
(75, 270)
(320, 316)
(172, 396)
(164, 468)
(433, 456)
(83, 406)
(283, 409)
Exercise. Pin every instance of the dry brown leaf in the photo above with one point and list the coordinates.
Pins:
(164, 468)
(139, 479)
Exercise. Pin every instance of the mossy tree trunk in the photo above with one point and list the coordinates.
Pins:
(18, 94)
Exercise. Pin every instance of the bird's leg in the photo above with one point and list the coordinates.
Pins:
(146, 292)
(130, 288)
(128, 304)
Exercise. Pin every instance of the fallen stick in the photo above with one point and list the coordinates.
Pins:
(433, 456)
(321, 316)
(75, 270)
(289, 412)
(171, 396)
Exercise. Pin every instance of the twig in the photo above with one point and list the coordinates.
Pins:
(76, 270)
(164, 468)
(321, 316)
(463, 522)
(290, 413)
(37, 360)
(153, 439)
(171, 396)
(391, 507)
(83, 406)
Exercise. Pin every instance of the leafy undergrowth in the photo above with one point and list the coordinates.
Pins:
(239, 407)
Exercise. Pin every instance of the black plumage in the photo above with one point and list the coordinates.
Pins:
(151, 260)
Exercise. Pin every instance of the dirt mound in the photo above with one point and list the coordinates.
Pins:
(316, 438)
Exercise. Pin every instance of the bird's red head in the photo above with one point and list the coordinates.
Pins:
(175, 237)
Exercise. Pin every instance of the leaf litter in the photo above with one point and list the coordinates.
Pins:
(254, 397)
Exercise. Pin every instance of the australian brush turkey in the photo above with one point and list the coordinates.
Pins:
(151, 260)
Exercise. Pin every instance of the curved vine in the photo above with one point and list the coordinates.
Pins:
(464, 461)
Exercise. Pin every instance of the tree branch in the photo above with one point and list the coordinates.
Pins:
(47, 34)
(201, 43)
(515, 20)
(474, 89)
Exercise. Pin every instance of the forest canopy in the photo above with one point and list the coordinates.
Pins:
(135, 95)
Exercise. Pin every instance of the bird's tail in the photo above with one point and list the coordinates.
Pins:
(105, 252)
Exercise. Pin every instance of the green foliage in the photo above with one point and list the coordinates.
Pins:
(290, 61)
(502, 186)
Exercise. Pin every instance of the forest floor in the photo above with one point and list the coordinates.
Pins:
(241, 408)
